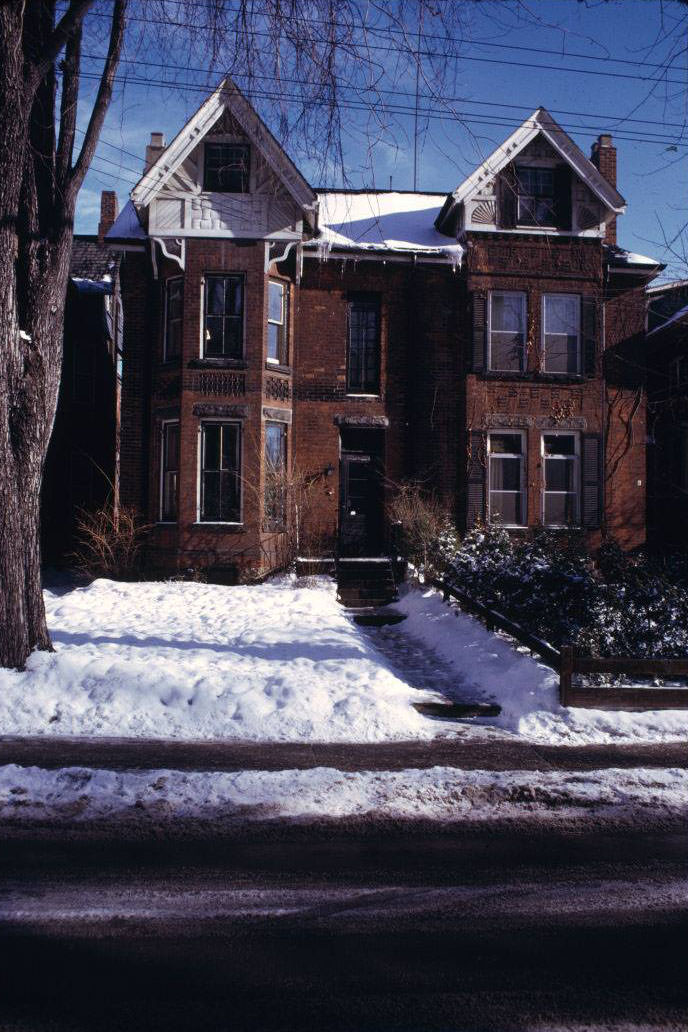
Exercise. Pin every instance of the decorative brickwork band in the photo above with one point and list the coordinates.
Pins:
(225, 411)
(342, 420)
(277, 415)
(216, 383)
(277, 389)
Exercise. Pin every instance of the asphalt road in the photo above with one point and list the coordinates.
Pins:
(345, 929)
(486, 750)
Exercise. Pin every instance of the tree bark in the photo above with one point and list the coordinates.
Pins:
(38, 191)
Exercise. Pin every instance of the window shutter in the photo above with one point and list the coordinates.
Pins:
(507, 198)
(475, 493)
(562, 196)
(477, 354)
(589, 335)
(591, 476)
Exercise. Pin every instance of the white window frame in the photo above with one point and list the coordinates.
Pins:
(284, 322)
(201, 342)
(576, 457)
(199, 474)
(524, 311)
(524, 484)
(161, 484)
(543, 335)
(168, 282)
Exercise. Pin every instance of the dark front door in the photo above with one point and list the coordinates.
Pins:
(361, 496)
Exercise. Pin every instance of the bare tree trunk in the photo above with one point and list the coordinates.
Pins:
(38, 190)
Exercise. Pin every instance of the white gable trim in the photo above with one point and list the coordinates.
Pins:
(228, 96)
(541, 122)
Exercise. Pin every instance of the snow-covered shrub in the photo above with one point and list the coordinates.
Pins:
(610, 604)
(425, 533)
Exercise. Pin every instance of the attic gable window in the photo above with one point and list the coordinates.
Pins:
(535, 196)
(226, 167)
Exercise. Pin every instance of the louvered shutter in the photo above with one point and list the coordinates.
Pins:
(562, 196)
(591, 480)
(478, 342)
(589, 334)
(507, 195)
(475, 493)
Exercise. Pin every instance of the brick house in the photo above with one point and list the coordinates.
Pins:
(478, 341)
(81, 470)
(666, 358)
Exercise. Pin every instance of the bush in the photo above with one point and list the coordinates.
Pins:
(426, 535)
(614, 604)
(110, 543)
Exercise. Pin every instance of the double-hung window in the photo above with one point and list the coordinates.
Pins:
(275, 474)
(223, 319)
(561, 333)
(506, 477)
(220, 473)
(507, 332)
(169, 471)
(174, 291)
(535, 191)
(278, 322)
(226, 167)
(363, 358)
(561, 472)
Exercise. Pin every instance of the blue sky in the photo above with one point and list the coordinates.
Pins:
(592, 64)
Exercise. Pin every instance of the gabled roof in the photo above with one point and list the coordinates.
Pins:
(93, 262)
(227, 96)
(539, 122)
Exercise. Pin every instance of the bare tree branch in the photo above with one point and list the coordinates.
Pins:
(71, 20)
(68, 109)
(102, 101)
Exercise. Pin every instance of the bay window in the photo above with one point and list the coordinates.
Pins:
(223, 317)
(278, 322)
(220, 473)
(169, 471)
(174, 290)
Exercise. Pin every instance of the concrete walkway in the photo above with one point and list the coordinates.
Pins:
(461, 753)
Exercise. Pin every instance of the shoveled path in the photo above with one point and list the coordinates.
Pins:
(461, 753)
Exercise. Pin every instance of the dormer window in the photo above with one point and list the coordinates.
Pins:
(535, 196)
(226, 167)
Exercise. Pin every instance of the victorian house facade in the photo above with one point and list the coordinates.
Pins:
(293, 355)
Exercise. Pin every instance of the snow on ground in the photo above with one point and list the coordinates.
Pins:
(77, 794)
(488, 667)
(278, 661)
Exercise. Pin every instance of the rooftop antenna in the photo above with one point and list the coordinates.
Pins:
(390, 183)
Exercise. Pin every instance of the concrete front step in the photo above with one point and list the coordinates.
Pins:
(365, 583)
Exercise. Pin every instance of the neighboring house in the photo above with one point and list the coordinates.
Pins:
(476, 341)
(666, 357)
(82, 465)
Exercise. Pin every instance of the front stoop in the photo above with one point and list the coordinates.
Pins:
(366, 583)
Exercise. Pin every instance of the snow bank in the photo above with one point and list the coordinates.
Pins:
(488, 667)
(277, 661)
(77, 794)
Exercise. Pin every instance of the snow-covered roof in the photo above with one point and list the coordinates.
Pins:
(678, 317)
(539, 122)
(383, 221)
(127, 226)
(619, 257)
(665, 288)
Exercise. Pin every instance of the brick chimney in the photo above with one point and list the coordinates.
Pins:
(108, 213)
(154, 149)
(603, 157)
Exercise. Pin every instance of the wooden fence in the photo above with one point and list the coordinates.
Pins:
(568, 662)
